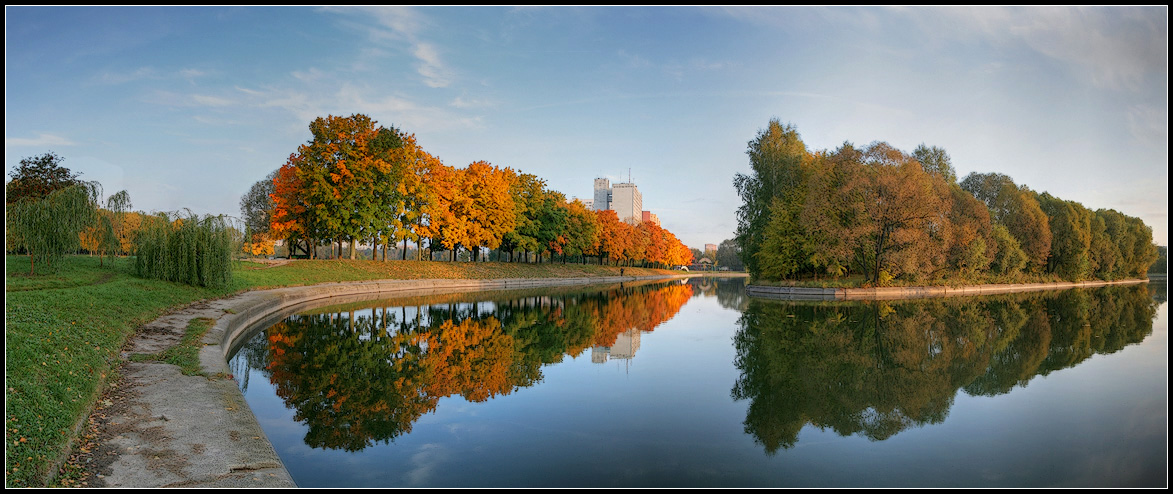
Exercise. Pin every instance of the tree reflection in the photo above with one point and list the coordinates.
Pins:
(878, 368)
(362, 374)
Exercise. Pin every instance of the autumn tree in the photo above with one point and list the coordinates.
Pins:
(613, 236)
(444, 227)
(488, 211)
(1017, 209)
(582, 230)
(291, 218)
(528, 192)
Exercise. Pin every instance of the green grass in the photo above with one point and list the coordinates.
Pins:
(64, 332)
(185, 354)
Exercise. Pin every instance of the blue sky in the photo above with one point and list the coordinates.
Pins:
(188, 107)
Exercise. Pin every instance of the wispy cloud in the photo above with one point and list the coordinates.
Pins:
(207, 100)
(425, 463)
(40, 140)
(112, 77)
(405, 25)
(1117, 47)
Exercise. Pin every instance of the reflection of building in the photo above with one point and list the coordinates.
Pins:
(623, 198)
(624, 348)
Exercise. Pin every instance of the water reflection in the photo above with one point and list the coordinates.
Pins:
(362, 374)
(874, 369)
(730, 291)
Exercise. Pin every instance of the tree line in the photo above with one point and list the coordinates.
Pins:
(50, 212)
(355, 182)
(886, 215)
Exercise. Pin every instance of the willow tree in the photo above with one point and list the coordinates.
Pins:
(119, 206)
(49, 227)
(190, 250)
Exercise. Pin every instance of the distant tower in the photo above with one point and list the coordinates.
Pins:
(602, 200)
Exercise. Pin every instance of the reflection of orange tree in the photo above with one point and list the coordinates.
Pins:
(643, 310)
(471, 358)
(876, 369)
(343, 386)
(357, 377)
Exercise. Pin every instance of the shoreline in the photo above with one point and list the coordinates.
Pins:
(915, 292)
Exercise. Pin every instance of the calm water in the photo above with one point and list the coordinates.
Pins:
(695, 384)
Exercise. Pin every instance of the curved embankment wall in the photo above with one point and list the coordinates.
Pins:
(893, 293)
(254, 309)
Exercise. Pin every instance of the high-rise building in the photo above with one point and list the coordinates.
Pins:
(627, 202)
(602, 200)
(710, 247)
(623, 198)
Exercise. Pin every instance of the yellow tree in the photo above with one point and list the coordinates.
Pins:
(490, 210)
(444, 227)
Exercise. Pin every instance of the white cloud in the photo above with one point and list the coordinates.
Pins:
(399, 25)
(125, 77)
(1118, 47)
(206, 100)
(431, 67)
(40, 140)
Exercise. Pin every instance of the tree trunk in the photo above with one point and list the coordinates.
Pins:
(353, 244)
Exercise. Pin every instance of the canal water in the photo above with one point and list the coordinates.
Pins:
(694, 384)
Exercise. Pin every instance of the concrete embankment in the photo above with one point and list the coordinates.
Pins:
(893, 293)
(161, 428)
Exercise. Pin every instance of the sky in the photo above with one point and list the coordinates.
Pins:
(188, 107)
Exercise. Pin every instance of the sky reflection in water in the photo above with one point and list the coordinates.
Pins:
(696, 384)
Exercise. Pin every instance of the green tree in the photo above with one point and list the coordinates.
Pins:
(935, 161)
(37, 177)
(1071, 237)
(729, 255)
(256, 205)
(778, 162)
(50, 226)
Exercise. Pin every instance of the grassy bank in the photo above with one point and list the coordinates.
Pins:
(64, 332)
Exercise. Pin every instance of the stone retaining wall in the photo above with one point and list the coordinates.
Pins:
(892, 293)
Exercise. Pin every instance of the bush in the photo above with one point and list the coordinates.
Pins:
(190, 250)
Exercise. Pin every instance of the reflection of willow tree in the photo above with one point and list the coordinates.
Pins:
(366, 374)
(875, 369)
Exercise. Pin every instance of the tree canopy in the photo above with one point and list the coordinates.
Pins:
(885, 215)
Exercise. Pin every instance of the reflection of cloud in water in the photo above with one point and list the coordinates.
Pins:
(424, 463)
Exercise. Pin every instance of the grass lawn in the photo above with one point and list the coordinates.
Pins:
(64, 331)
